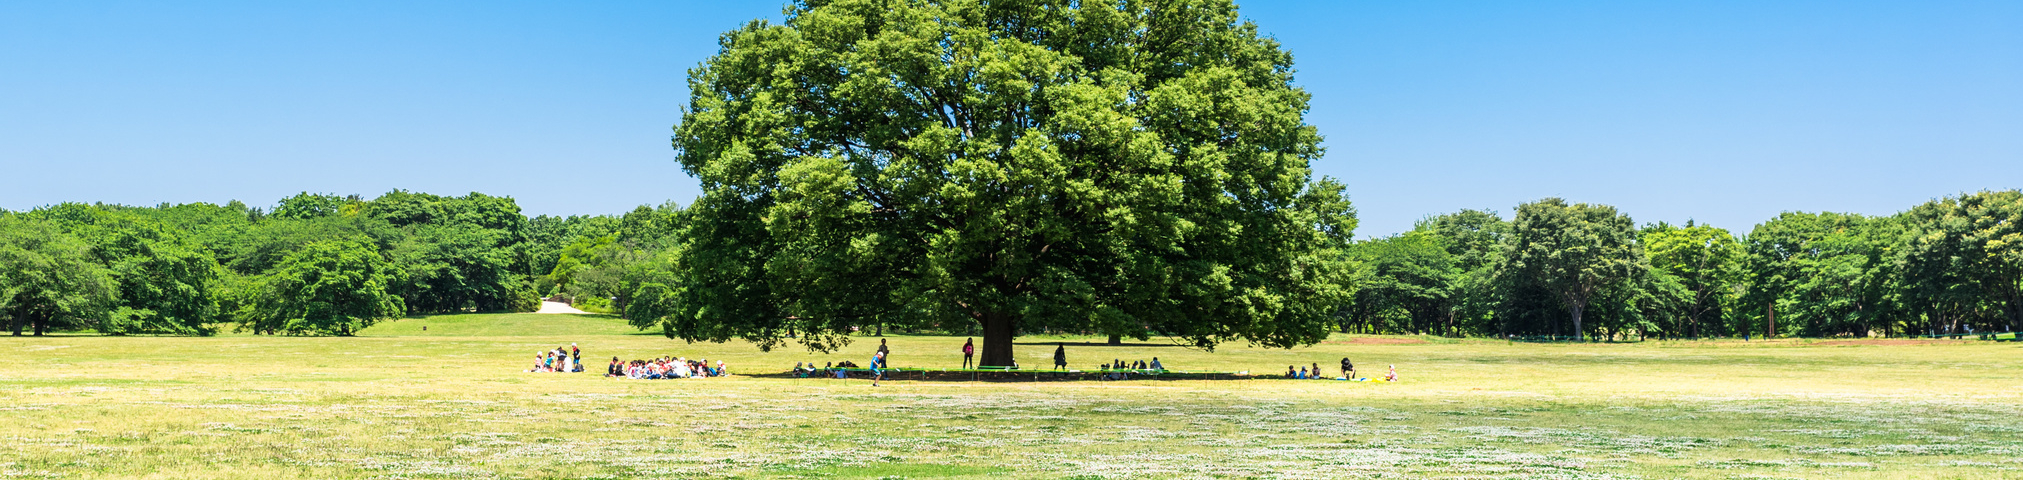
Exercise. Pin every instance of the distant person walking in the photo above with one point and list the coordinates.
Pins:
(1061, 356)
(968, 352)
(884, 354)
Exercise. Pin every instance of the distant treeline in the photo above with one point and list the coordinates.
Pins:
(1561, 270)
(331, 265)
(314, 264)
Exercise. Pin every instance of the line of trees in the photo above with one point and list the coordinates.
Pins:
(331, 265)
(314, 264)
(1571, 270)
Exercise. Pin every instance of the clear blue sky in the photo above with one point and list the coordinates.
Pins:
(1723, 111)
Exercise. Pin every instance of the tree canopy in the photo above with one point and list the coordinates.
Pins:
(1122, 168)
(1706, 262)
(331, 287)
(1963, 260)
(192, 269)
(165, 284)
(49, 280)
(1573, 252)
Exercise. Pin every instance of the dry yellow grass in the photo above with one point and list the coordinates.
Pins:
(454, 403)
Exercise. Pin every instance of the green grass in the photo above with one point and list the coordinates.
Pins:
(504, 325)
(454, 403)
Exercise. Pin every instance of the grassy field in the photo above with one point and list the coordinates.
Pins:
(453, 402)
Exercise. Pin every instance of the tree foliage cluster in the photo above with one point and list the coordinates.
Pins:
(1123, 168)
(1952, 265)
(603, 263)
(312, 265)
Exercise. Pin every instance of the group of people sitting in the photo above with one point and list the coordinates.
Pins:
(832, 369)
(1119, 369)
(665, 368)
(561, 359)
(1348, 372)
(1305, 373)
(1116, 364)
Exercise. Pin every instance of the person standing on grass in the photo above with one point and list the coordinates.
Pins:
(968, 352)
(1061, 356)
(884, 353)
(877, 359)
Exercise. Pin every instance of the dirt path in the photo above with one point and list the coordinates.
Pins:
(557, 307)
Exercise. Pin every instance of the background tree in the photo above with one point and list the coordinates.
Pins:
(456, 254)
(332, 287)
(593, 272)
(548, 235)
(307, 205)
(457, 268)
(49, 280)
(1965, 258)
(1706, 262)
(1648, 301)
(1474, 238)
(1409, 284)
(1820, 274)
(1077, 166)
(1572, 252)
(166, 285)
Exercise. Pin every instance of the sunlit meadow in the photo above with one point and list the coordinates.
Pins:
(454, 402)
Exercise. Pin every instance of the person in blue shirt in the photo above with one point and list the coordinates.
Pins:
(877, 360)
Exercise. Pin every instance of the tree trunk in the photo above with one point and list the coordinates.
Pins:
(997, 340)
(1771, 327)
(15, 323)
(1577, 332)
(1116, 339)
(2015, 311)
(40, 326)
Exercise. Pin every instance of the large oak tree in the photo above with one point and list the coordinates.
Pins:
(1118, 167)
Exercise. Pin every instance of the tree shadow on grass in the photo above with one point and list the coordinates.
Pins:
(1101, 344)
(902, 374)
